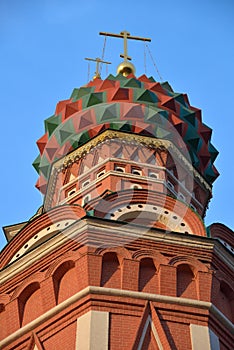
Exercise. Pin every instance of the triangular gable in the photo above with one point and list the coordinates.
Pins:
(34, 343)
(150, 331)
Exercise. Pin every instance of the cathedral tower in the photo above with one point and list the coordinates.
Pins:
(118, 256)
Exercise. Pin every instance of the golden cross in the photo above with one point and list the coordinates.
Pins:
(125, 35)
(98, 61)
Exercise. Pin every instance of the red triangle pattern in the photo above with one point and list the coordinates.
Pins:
(205, 132)
(61, 105)
(41, 184)
(51, 147)
(108, 84)
(131, 111)
(95, 82)
(144, 79)
(41, 143)
(171, 104)
(118, 94)
(66, 148)
(156, 87)
(82, 118)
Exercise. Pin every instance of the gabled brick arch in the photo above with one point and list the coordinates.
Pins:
(30, 303)
(65, 281)
(4, 298)
(187, 282)
(186, 285)
(149, 253)
(111, 269)
(223, 277)
(122, 252)
(36, 278)
(29, 298)
(183, 259)
(149, 264)
(224, 294)
(73, 256)
(226, 299)
(148, 280)
(218, 230)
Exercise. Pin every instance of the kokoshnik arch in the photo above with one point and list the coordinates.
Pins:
(118, 255)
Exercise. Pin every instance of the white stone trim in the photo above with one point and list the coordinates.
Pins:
(93, 331)
(203, 338)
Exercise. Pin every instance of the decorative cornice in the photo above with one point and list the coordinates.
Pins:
(123, 294)
(97, 225)
(79, 153)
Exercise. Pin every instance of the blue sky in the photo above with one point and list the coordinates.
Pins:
(43, 46)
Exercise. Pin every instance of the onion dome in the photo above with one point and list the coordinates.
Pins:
(126, 103)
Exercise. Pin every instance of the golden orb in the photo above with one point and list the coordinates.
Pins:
(96, 76)
(125, 68)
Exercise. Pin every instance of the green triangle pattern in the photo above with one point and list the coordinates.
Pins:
(198, 145)
(110, 112)
(191, 133)
(111, 77)
(74, 140)
(152, 80)
(156, 116)
(79, 93)
(194, 159)
(168, 88)
(44, 166)
(52, 123)
(65, 131)
(213, 152)
(36, 163)
(121, 125)
(134, 83)
(180, 98)
(121, 78)
(188, 115)
(145, 96)
(93, 99)
(84, 137)
(209, 173)
(195, 143)
(161, 133)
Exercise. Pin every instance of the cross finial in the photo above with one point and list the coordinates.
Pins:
(125, 35)
(98, 61)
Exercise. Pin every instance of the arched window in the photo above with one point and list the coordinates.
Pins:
(111, 273)
(147, 276)
(2, 320)
(65, 281)
(120, 169)
(153, 175)
(136, 171)
(30, 303)
(86, 199)
(226, 300)
(135, 186)
(186, 285)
